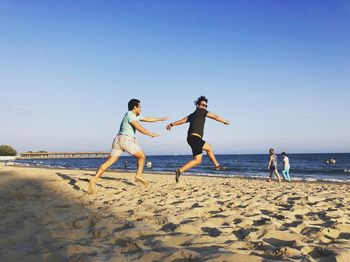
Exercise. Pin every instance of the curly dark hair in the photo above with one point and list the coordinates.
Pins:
(200, 99)
(132, 103)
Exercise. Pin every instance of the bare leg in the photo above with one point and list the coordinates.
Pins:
(210, 154)
(277, 175)
(192, 163)
(140, 155)
(270, 178)
(102, 168)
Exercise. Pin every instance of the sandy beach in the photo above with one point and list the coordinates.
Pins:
(47, 215)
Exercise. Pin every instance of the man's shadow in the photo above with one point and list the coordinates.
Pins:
(72, 180)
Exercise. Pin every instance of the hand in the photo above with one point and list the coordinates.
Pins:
(168, 127)
(226, 122)
(154, 135)
(164, 118)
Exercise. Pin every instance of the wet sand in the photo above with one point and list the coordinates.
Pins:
(47, 215)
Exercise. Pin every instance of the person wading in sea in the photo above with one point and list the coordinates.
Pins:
(195, 135)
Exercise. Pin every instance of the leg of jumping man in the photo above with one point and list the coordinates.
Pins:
(140, 156)
(102, 168)
(211, 156)
(192, 163)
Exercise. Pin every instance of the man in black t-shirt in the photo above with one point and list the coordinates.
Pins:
(195, 135)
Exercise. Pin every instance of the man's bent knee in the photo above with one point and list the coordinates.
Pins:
(207, 147)
(198, 158)
(208, 151)
(140, 155)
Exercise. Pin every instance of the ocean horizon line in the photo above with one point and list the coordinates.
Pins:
(179, 154)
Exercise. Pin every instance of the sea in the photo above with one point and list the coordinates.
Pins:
(309, 167)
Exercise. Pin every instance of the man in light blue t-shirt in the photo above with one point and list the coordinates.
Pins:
(126, 141)
(126, 128)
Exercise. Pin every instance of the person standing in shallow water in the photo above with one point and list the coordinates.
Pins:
(125, 141)
(195, 135)
(272, 166)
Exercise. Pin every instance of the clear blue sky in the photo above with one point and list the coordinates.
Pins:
(278, 70)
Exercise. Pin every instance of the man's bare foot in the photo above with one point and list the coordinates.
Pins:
(219, 168)
(92, 185)
(177, 175)
(140, 179)
(268, 180)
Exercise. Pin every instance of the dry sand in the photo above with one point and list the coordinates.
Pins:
(46, 215)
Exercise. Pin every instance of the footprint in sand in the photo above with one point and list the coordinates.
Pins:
(212, 232)
(196, 205)
(82, 222)
(170, 227)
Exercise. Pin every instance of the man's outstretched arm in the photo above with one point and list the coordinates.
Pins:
(143, 130)
(154, 119)
(177, 123)
(218, 118)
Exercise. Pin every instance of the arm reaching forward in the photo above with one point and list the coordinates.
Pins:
(154, 119)
(177, 123)
(218, 118)
(143, 130)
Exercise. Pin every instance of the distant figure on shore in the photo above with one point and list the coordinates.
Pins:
(331, 161)
(286, 167)
(195, 135)
(126, 141)
(272, 166)
(126, 164)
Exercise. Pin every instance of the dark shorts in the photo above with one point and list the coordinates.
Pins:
(196, 143)
(272, 168)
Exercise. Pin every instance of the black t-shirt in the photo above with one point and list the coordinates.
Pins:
(197, 120)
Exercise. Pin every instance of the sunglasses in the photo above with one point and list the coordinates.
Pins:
(204, 105)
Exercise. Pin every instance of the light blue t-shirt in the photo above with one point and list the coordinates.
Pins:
(126, 129)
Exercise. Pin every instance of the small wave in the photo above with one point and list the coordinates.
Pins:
(21, 164)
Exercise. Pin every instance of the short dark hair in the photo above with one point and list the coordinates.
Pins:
(200, 99)
(283, 153)
(132, 103)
